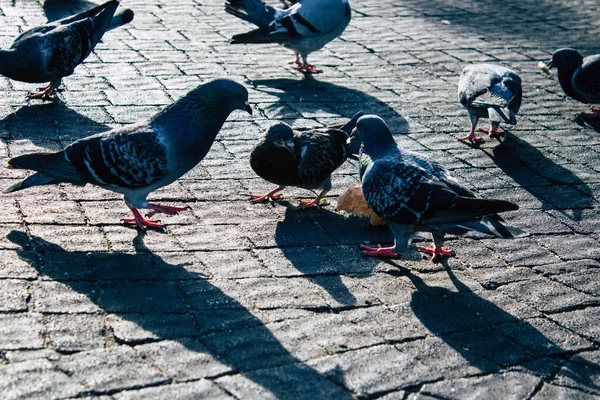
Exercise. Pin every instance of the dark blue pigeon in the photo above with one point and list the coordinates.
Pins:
(52, 51)
(139, 158)
(414, 193)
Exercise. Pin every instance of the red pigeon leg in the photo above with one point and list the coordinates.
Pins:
(436, 252)
(309, 68)
(142, 222)
(494, 132)
(271, 196)
(377, 251)
(595, 114)
(157, 208)
(471, 137)
(44, 94)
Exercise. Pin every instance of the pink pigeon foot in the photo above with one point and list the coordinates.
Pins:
(595, 114)
(43, 95)
(494, 133)
(308, 69)
(436, 252)
(271, 196)
(377, 251)
(471, 138)
(142, 222)
(169, 210)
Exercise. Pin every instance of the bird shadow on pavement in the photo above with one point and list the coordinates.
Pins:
(490, 338)
(50, 125)
(310, 240)
(170, 303)
(555, 185)
(58, 9)
(313, 98)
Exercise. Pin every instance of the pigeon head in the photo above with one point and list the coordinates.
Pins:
(231, 93)
(281, 135)
(566, 60)
(374, 133)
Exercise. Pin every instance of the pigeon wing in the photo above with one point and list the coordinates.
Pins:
(130, 157)
(587, 78)
(320, 153)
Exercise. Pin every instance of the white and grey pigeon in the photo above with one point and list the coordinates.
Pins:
(579, 77)
(303, 27)
(489, 91)
(52, 51)
(136, 159)
(414, 193)
(304, 158)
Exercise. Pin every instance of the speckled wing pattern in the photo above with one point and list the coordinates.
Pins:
(120, 158)
(320, 153)
(404, 188)
(480, 85)
(587, 78)
(309, 18)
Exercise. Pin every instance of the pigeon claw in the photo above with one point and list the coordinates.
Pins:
(471, 138)
(142, 222)
(43, 95)
(436, 252)
(595, 114)
(169, 210)
(304, 204)
(270, 197)
(377, 251)
(493, 132)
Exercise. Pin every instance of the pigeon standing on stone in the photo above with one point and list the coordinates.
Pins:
(413, 193)
(52, 51)
(579, 77)
(305, 158)
(139, 158)
(303, 27)
(489, 91)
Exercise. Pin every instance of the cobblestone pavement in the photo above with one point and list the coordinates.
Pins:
(245, 301)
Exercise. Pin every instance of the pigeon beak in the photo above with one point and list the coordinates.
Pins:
(290, 146)
(248, 109)
(549, 64)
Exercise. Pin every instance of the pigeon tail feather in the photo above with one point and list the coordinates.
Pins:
(480, 207)
(50, 164)
(502, 114)
(253, 11)
(255, 36)
(37, 179)
(494, 225)
(121, 18)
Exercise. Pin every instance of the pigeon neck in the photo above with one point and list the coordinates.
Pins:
(565, 78)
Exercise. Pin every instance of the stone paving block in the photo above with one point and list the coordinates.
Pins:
(75, 332)
(14, 294)
(117, 368)
(183, 360)
(21, 331)
(204, 389)
(134, 328)
(64, 297)
(550, 391)
(139, 296)
(36, 379)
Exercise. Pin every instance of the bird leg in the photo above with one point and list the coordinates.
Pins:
(46, 91)
(297, 60)
(304, 204)
(377, 251)
(471, 136)
(436, 252)
(308, 68)
(169, 210)
(142, 222)
(271, 196)
(494, 132)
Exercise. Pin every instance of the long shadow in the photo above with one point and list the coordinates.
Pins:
(311, 96)
(488, 337)
(312, 228)
(50, 125)
(558, 186)
(207, 320)
(58, 9)
(540, 21)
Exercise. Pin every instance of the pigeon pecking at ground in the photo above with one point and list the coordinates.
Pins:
(304, 27)
(579, 77)
(52, 51)
(136, 159)
(413, 193)
(304, 158)
(489, 91)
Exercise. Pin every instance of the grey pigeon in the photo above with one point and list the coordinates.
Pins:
(579, 77)
(136, 159)
(52, 51)
(489, 91)
(413, 193)
(305, 158)
(304, 27)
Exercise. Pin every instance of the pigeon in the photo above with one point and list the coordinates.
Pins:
(579, 77)
(414, 193)
(303, 27)
(52, 51)
(489, 91)
(304, 158)
(136, 159)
